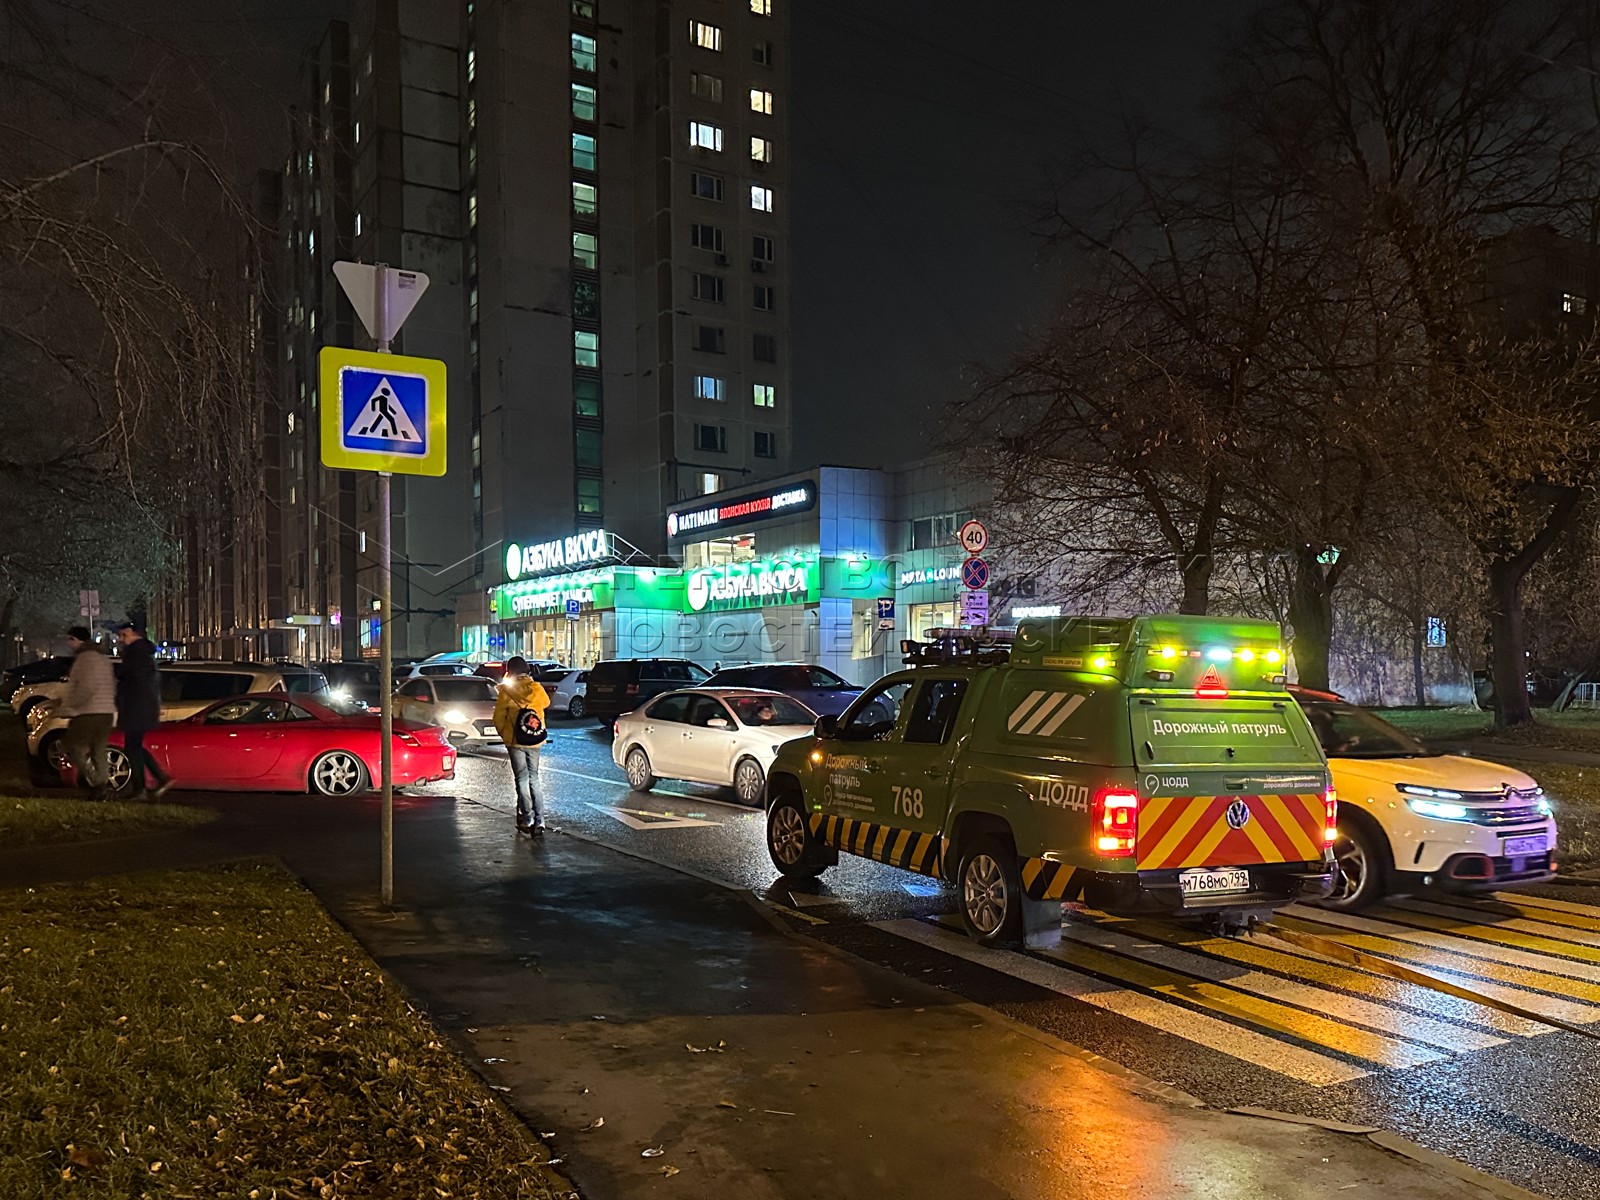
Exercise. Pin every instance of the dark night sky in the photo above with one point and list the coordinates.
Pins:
(922, 131)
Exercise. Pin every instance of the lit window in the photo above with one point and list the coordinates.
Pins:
(589, 497)
(358, 224)
(707, 37)
(1573, 303)
(761, 248)
(766, 299)
(707, 287)
(707, 87)
(472, 65)
(761, 101)
(327, 92)
(358, 133)
(585, 199)
(766, 444)
(583, 152)
(760, 198)
(711, 437)
(761, 8)
(707, 387)
(710, 482)
(583, 52)
(705, 237)
(583, 10)
(764, 395)
(585, 250)
(705, 136)
(311, 242)
(472, 209)
(760, 149)
(707, 187)
(583, 102)
(585, 348)
(472, 114)
(586, 397)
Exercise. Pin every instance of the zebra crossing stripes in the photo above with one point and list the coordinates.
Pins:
(1042, 713)
(1308, 1018)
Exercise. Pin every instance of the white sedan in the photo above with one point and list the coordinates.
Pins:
(461, 705)
(568, 690)
(724, 736)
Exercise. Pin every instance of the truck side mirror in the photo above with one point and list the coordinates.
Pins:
(827, 726)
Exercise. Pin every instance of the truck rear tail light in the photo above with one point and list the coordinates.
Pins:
(1330, 810)
(1115, 822)
(632, 689)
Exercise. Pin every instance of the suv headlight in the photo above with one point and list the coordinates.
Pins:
(1441, 809)
(454, 715)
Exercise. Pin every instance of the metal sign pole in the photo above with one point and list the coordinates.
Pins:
(383, 335)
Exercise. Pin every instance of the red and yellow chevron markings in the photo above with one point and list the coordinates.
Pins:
(1193, 831)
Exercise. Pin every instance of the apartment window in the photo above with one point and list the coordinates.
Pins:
(1571, 302)
(764, 347)
(766, 444)
(583, 102)
(583, 53)
(761, 8)
(761, 101)
(583, 152)
(585, 199)
(472, 65)
(705, 237)
(707, 187)
(586, 397)
(311, 242)
(760, 149)
(707, 287)
(709, 338)
(764, 395)
(710, 482)
(705, 136)
(760, 198)
(761, 248)
(472, 209)
(707, 87)
(766, 299)
(761, 52)
(711, 437)
(589, 497)
(585, 348)
(583, 10)
(358, 224)
(707, 387)
(585, 250)
(585, 298)
(586, 448)
(327, 92)
(358, 136)
(707, 37)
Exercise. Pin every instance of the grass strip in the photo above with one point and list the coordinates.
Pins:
(1575, 792)
(44, 820)
(1575, 729)
(213, 1033)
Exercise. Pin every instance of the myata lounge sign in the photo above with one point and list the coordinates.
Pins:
(742, 510)
(563, 554)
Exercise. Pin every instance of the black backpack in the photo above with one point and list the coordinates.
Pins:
(529, 729)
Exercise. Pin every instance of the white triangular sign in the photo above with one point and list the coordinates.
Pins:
(383, 416)
(404, 289)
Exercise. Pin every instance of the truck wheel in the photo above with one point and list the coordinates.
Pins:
(793, 850)
(1365, 863)
(990, 888)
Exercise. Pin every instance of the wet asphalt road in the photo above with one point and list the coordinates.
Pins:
(1233, 1023)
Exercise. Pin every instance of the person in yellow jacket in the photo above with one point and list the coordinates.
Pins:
(520, 691)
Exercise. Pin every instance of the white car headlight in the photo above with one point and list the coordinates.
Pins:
(454, 715)
(1438, 808)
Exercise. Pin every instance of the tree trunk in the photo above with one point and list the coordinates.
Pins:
(1311, 615)
(1509, 666)
(1418, 640)
(1196, 585)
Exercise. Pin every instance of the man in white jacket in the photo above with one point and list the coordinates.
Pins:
(90, 707)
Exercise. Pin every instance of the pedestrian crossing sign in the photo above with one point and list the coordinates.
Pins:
(382, 412)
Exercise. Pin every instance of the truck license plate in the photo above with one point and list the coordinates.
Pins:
(1209, 883)
(1522, 847)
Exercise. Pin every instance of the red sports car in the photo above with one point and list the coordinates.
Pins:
(271, 742)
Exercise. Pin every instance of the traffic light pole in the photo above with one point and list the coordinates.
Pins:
(383, 335)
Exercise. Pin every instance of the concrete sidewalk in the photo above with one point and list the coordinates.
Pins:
(624, 1008)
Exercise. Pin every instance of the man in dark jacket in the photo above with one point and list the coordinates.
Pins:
(139, 707)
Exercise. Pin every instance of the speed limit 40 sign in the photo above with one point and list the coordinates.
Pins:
(974, 538)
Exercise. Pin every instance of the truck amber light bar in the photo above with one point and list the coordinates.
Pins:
(1330, 808)
(1115, 820)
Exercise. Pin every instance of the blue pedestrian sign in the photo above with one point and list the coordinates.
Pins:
(975, 574)
(382, 412)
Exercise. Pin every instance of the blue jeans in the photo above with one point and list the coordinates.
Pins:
(525, 770)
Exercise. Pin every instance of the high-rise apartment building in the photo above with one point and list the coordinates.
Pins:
(598, 192)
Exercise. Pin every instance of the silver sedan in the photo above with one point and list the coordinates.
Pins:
(723, 736)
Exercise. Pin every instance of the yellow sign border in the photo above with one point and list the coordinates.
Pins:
(335, 359)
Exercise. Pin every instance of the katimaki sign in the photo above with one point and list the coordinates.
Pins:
(562, 554)
(755, 584)
(742, 510)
